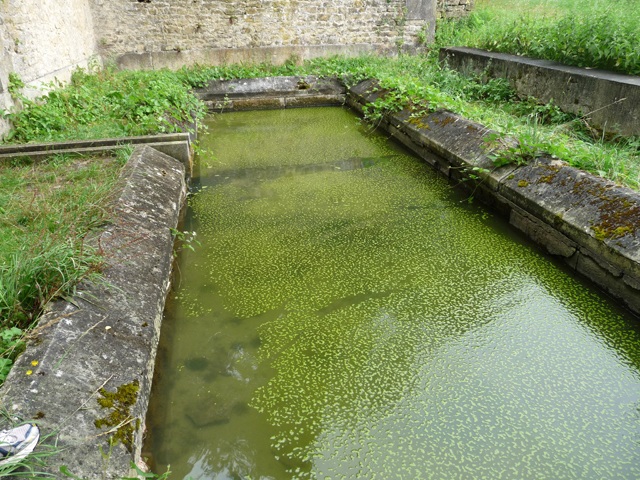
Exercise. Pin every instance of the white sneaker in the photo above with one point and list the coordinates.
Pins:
(17, 443)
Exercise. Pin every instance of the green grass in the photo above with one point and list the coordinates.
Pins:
(585, 33)
(421, 82)
(106, 103)
(47, 211)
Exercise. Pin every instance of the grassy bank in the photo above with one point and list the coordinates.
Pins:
(585, 33)
(47, 211)
(106, 103)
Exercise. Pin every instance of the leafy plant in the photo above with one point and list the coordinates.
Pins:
(184, 240)
(522, 152)
(15, 84)
(527, 146)
(11, 345)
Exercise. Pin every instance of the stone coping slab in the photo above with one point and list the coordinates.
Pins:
(609, 101)
(591, 223)
(272, 93)
(104, 341)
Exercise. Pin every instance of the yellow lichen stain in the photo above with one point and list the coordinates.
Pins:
(546, 179)
(523, 183)
(619, 216)
(445, 121)
(417, 121)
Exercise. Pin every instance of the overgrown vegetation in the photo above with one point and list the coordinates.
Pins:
(106, 103)
(419, 81)
(47, 210)
(585, 33)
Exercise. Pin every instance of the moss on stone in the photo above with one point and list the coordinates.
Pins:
(417, 121)
(120, 403)
(619, 215)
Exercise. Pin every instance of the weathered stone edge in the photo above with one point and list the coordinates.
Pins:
(272, 93)
(591, 223)
(107, 336)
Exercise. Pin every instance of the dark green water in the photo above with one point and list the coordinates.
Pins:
(349, 315)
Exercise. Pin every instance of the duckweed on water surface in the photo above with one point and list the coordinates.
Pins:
(348, 315)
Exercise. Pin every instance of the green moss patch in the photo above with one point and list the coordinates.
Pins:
(119, 420)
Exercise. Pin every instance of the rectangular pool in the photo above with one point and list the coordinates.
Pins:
(347, 313)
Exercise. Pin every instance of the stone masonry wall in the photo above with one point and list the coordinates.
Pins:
(454, 8)
(43, 40)
(159, 33)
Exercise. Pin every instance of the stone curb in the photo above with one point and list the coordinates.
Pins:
(272, 93)
(106, 338)
(610, 101)
(591, 223)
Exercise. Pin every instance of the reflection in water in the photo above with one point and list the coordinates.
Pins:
(357, 319)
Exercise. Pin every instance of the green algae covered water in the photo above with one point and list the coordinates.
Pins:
(349, 315)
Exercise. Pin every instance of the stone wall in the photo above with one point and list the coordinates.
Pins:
(607, 101)
(454, 8)
(43, 40)
(5, 68)
(163, 33)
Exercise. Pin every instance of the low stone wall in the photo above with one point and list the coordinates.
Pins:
(609, 101)
(590, 223)
(273, 92)
(176, 145)
(95, 355)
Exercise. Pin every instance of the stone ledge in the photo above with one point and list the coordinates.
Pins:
(272, 93)
(106, 338)
(611, 101)
(591, 223)
(275, 55)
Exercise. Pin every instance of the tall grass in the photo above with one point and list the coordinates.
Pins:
(596, 34)
(47, 211)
